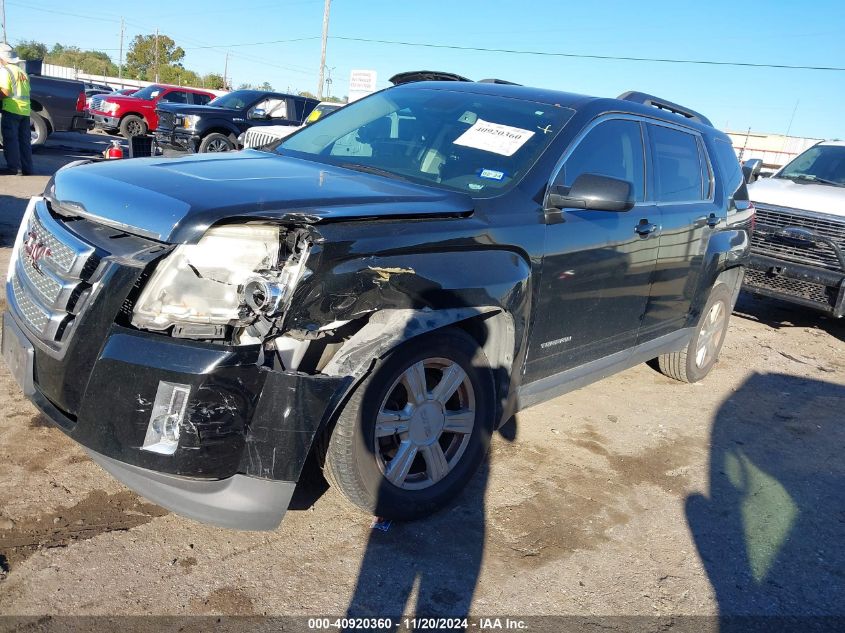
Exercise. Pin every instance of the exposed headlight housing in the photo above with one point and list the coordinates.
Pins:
(198, 288)
(189, 121)
(110, 107)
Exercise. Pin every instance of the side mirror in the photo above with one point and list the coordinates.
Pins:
(751, 169)
(259, 114)
(594, 192)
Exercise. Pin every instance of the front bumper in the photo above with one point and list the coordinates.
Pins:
(809, 286)
(178, 140)
(246, 437)
(105, 122)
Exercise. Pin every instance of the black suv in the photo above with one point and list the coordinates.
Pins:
(380, 290)
(215, 127)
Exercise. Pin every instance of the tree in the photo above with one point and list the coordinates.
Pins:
(93, 62)
(141, 58)
(213, 81)
(30, 49)
(262, 86)
(305, 93)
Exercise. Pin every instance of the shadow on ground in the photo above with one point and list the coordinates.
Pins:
(781, 314)
(770, 530)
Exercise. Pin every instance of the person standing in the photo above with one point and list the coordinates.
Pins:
(14, 89)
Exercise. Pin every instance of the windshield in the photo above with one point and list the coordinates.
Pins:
(321, 110)
(237, 100)
(822, 163)
(149, 93)
(473, 143)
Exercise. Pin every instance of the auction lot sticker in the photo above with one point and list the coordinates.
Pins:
(494, 137)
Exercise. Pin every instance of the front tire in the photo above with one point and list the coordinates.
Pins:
(216, 142)
(132, 125)
(38, 129)
(416, 429)
(697, 359)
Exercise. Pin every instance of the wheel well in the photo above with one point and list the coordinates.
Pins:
(219, 130)
(492, 329)
(37, 107)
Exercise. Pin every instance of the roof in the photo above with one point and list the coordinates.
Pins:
(556, 97)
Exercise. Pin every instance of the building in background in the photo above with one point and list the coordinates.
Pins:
(775, 150)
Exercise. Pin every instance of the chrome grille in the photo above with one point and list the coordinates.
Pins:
(36, 316)
(51, 267)
(97, 103)
(771, 218)
(259, 138)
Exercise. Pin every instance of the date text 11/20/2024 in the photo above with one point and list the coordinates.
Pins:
(417, 624)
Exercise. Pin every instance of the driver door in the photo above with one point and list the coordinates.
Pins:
(598, 265)
(275, 112)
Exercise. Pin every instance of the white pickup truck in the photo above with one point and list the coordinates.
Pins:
(258, 136)
(798, 245)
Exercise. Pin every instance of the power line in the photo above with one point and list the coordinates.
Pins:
(585, 56)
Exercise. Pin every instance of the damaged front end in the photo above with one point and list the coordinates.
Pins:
(161, 360)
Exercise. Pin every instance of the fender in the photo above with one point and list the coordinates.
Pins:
(727, 250)
(219, 124)
(396, 298)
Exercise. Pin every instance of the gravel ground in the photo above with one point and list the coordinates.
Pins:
(637, 495)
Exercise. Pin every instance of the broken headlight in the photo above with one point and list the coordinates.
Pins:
(198, 288)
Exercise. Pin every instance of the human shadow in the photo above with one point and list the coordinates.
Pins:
(439, 556)
(771, 529)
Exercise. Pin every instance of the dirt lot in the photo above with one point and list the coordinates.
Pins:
(634, 496)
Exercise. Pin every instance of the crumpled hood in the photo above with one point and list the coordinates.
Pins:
(808, 196)
(176, 200)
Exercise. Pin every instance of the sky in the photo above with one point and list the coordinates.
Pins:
(772, 100)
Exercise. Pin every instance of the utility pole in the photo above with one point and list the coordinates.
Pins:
(120, 59)
(323, 48)
(329, 82)
(225, 71)
(156, 55)
(3, 15)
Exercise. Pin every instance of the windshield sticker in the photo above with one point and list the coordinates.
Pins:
(475, 186)
(491, 174)
(494, 137)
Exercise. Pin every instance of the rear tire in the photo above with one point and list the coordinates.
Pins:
(38, 128)
(132, 125)
(444, 436)
(695, 361)
(216, 142)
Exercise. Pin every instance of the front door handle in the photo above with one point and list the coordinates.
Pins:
(712, 221)
(645, 227)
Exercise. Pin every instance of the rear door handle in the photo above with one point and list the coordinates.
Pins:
(645, 227)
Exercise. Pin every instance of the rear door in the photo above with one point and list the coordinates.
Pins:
(597, 267)
(684, 193)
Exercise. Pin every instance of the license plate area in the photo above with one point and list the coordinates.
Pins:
(19, 355)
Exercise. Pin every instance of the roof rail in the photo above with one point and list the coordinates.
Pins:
(498, 81)
(663, 104)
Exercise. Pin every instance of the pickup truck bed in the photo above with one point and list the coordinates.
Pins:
(58, 105)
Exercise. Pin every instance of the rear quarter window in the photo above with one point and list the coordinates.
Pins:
(730, 170)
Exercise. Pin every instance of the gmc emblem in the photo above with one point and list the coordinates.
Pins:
(35, 250)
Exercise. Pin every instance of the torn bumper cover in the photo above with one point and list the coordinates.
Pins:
(244, 438)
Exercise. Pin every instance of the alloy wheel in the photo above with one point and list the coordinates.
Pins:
(425, 423)
(710, 334)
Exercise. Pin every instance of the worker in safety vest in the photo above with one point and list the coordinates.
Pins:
(14, 89)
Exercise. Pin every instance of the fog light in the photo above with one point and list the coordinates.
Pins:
(168, 411)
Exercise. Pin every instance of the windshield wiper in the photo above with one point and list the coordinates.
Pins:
(812, 178)
(369, 169)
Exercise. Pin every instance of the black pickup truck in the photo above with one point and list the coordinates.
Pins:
(58, 105)
(215, 127)
(380, 290)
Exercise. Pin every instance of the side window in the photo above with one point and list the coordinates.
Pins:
(677, 165)
(274, 107)
(613, 148)
(725, 156)
(177, 96)
(200, 99)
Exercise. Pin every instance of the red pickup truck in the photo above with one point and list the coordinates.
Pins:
(131, 115)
